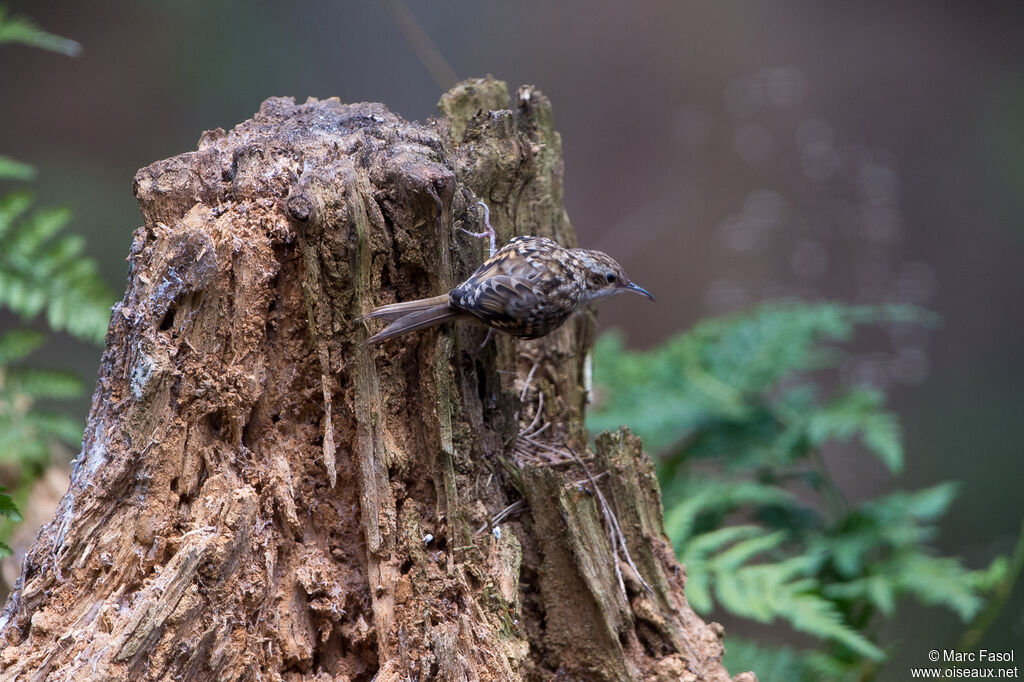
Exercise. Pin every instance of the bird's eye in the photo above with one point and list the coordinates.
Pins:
(610, 277)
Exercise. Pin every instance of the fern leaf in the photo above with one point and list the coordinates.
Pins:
(752, 350)
(859, 412)
(819, 617)
(694, 556)
(741, 552)
(44, 383)
(835, 668)
(21, 444)
(7, 507)
(38, 228)
(698, 590)
(11, 169)
(705, 544)
(766, 592)
(878, 590)
(59, 426)
(942, 581)
(713, 371)
(26, 432)
(40, 270)
(12, 206)
(928, 504)
(718, 497)
(734, 397)
(883, 436)
(779, 663)
(771, 663)
(17, 29)
(18, 344)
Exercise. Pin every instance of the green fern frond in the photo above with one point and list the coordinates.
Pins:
(17, 29)
(12, 207)
(809, 612)
(11, 169)
(921, 505)
(27, 439)
(20, 444)
(835, 667)
(780, 663)
(878, 590)
(40, 270)
(714, 498)
(765, 592)
(696, 554)
(771, 663)
(935, 581)
(59, 426)
(27, 432)
(741, 552)
(752, 350)
(8, 509)
(941, 581)
(763, 529)
(858, 413)
(43, 383)
(704, 545)
(881, 528)
(18, 344)
(720, 370)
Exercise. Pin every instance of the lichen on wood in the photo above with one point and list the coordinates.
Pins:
(259, 497)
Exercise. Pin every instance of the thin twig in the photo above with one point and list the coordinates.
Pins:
(529, 380)
(536, 417)
(421, 43)
(489, 232)
(586, 480)
(997, 601)
(508, 511)
(542, 429)
(617, 538)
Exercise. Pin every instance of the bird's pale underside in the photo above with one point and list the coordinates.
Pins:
(528, 288)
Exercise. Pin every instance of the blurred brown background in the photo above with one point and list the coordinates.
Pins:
(724, 152)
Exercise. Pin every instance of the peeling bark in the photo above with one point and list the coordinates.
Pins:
(261, 498)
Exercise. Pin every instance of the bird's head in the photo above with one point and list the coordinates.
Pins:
(604, 277)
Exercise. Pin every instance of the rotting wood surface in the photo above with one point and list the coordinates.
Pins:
(261, 498)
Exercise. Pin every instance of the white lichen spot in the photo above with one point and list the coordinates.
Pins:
(65, 512)
(588, 376)
(95, 459)
(142, 373)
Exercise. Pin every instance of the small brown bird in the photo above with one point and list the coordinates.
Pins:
(528, 288)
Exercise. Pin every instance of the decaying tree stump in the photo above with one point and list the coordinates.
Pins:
(259, 497)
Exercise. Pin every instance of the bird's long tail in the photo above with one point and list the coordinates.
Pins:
(410, 316)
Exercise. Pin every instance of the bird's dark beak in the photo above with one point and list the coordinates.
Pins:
(640, 290)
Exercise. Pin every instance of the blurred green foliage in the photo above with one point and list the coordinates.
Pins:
(737, 414)
(42, 272)
(8, 511)
(19, 29)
